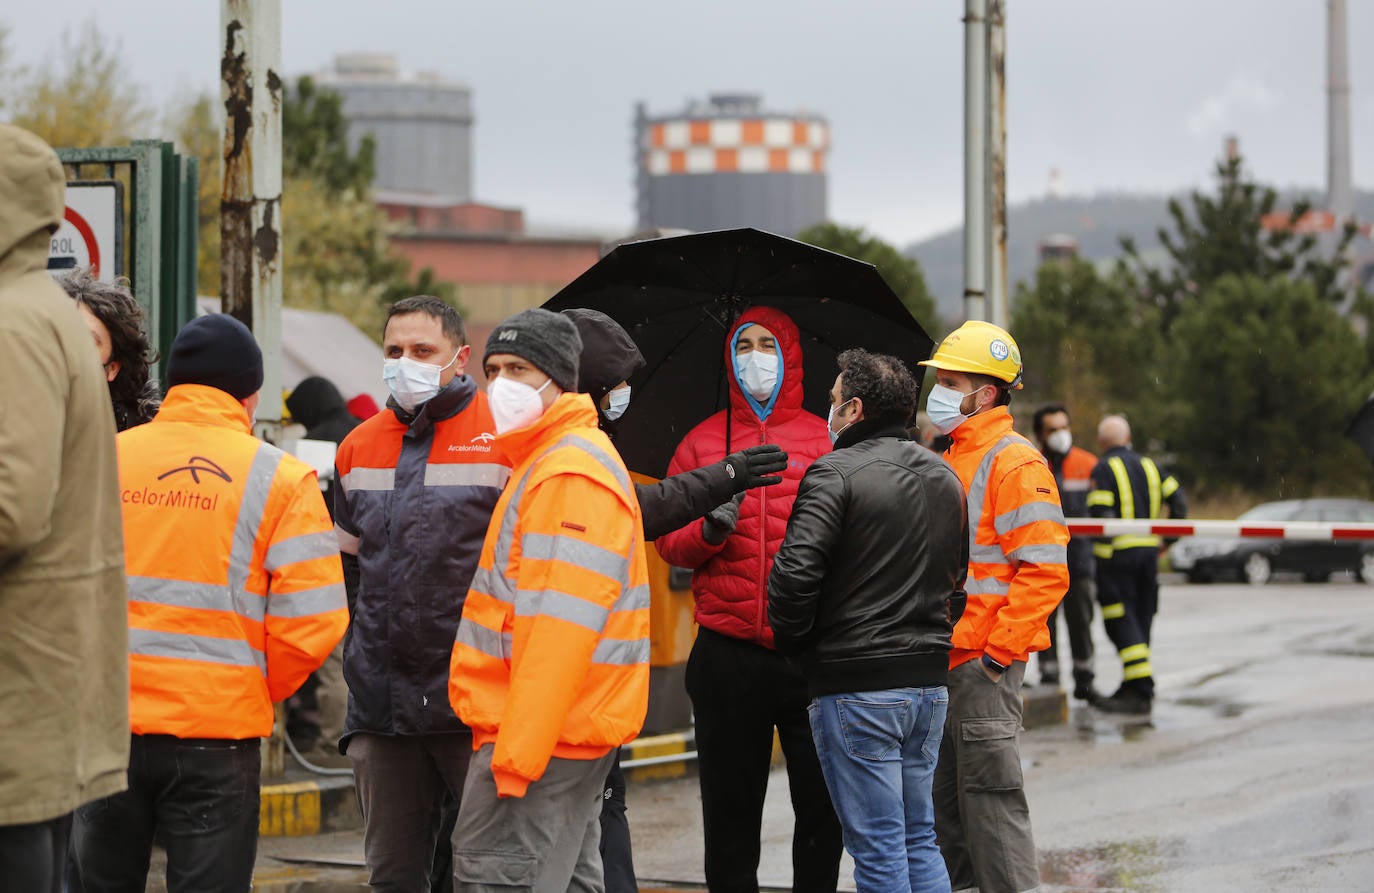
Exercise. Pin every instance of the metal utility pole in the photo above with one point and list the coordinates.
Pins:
(975, 158)
(997, 163)
(250, 200)
(1340, 197)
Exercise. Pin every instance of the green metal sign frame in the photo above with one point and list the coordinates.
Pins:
(163, 224)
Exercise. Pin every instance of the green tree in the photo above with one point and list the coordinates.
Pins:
(335, 253)
(1267, 374)
(195, 127)
(902, 273)
(315, 141)
(1224, 236)
(81, 96)
(1088, 343)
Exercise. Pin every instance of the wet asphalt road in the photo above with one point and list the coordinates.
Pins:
(1255, 772)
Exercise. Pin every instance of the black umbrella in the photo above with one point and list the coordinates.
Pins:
(679, 297)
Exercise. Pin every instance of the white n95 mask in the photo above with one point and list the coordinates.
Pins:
(514, 404)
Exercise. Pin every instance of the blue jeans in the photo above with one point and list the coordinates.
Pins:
(878, 751)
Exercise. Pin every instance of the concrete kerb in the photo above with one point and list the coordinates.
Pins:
(302, 803)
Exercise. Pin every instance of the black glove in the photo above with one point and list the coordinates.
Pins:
(756, 466)
(721, 520)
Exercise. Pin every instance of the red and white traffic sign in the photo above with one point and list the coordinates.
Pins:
(89, 234)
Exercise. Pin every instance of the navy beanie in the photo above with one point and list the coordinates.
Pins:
(217, 351)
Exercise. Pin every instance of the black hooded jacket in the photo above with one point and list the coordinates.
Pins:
(319, 406)
(609, 356)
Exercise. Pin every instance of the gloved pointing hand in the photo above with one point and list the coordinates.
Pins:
(756, 466)
(721, 520)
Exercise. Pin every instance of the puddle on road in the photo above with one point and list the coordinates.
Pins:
(1118, 866)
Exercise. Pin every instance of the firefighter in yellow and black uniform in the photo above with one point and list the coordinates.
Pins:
(1128, 485)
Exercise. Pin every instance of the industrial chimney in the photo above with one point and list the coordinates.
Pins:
(1340, 197)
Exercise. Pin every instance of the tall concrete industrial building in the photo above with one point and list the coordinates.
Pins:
(729, 162)
(422, 124)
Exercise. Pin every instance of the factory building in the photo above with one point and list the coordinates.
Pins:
(729, 162)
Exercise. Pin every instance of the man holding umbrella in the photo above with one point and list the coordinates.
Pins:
(741, 688)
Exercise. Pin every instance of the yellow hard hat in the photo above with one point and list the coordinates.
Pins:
(982, 348)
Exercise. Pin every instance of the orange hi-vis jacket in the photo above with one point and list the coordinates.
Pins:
(1018, 545)
(235, 587)
(552, 654)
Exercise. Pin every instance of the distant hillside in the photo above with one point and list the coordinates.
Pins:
(1097, 222)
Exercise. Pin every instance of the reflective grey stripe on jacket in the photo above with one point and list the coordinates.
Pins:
(551, 603)
(184, 646)
(232, 597)
(1047, 553)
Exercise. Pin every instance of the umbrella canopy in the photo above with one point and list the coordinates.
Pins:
(679, 297)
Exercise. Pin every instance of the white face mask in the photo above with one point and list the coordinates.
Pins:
(413, 383)
(758, 373)
(943, 408)
(830, 421)
(514, 404)
(1060, 442)
(620, 401)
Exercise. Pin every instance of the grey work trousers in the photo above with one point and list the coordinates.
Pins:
(546, 841)
(982, 820)
(400, 783)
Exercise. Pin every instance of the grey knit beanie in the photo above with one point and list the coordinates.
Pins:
(548, 340)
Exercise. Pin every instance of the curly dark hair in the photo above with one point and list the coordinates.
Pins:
(883, 382)
(132, 393)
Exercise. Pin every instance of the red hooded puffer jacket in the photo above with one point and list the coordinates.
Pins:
(731, 579)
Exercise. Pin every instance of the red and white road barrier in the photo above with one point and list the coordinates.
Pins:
(1285, 530)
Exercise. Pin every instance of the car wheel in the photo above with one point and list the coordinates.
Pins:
(1198, 577)
(1366, 569)
(1316, 576)
(1257, 569)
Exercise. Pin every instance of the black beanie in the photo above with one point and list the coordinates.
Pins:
(609, 355)
(217, 351)
(548, 340)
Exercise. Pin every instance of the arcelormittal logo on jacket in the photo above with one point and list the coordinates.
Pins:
(479, 444)
(200, 470)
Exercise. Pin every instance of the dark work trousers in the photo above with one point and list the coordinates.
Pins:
(1077, 609)
(982, 819)
(740, 692)
(1128, 590)
(617, 857)
(400, 782)
(441, 869)
(34, 856)
(199, 796)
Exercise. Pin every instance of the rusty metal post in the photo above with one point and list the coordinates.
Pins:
(998, 304)
(975, 159)
(250, 217)
(250, 200)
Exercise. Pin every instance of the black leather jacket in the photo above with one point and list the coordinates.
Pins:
(868, 582)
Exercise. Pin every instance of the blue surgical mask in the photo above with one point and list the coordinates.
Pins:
(619, 402)
(943, 408)
(830, 421)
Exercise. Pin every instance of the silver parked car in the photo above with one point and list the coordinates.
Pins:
(1204, 559)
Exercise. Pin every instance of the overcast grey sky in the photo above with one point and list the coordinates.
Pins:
(1118, 96)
